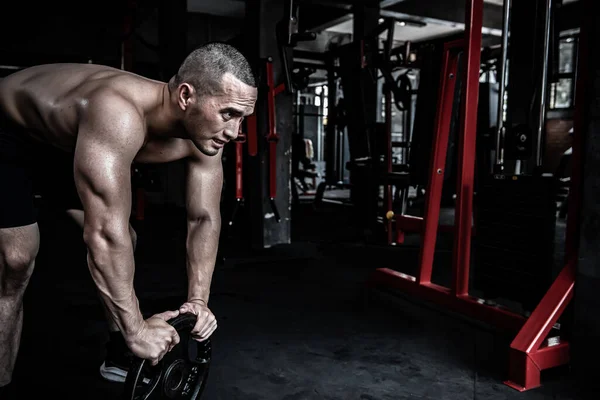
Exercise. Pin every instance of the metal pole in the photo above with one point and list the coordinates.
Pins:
(503, 82)
(467, 149)
(542, 120)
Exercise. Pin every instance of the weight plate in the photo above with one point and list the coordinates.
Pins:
(181, 374)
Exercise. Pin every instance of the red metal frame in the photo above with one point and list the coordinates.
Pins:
(239, 165)
(272, 137)
(529, 354)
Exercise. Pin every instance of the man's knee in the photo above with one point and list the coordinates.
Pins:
(17, 264)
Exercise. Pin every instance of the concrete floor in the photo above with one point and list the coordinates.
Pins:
(294, 323)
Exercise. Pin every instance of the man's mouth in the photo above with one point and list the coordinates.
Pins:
(220, 142)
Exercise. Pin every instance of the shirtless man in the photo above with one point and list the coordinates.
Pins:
(105, 119)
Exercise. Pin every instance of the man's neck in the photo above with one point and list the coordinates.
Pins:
(163, 120)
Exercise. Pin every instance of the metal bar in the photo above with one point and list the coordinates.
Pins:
(470, 306)
(439, 148)
(332, 158)
(523, 372)
(547, 312)
(333, 22)
(389, 3)
(466, 148)
(503, 82)
(239, 157)
(543, 94)
(582, 99)
(343, 5)
(525, 369)
(435, 21)
(551, 356)
(271, 101)
(310, 55)
(388, 158)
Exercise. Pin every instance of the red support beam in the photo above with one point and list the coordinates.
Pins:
(239, 165)
(438, 160)
(551, 356)
(470, 306)
(466, 148)
(525, 349)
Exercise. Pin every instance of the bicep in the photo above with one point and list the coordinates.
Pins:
(204, 182)
(102, 167)
(102, 178)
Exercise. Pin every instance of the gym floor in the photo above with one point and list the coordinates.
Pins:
(295, 322)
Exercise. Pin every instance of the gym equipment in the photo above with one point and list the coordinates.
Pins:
(288, 37)
(532, 350)
(514, 246)
(529, 28)
(181, 374)
(239, 175)
(272, 137)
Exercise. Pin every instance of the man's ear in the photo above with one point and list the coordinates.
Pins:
(185, 95)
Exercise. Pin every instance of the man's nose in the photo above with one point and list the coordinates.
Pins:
(231, 132)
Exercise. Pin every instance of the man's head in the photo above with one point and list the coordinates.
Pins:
(215, 88)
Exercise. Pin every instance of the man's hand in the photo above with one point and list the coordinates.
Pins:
(206, 323)
(155, 338)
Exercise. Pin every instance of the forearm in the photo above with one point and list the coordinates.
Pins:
(202, 245)
(111, 263)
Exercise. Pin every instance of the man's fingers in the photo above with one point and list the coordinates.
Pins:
(187, 308)
(207, 331)
(167, 315)
(203, 322)
(175, 341)
(206, 328)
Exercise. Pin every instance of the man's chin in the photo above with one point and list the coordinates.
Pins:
(208, 150)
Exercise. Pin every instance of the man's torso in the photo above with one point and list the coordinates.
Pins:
(48, 102)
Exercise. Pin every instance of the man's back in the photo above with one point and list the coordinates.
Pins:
(50, 100)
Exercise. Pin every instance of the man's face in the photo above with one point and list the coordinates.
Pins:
(213, 120)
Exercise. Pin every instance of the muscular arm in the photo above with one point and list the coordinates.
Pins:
(109, 137)
(203, 195)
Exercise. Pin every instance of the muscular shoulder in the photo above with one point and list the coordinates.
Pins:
(111, 124)
(108, 105)
(110, 114)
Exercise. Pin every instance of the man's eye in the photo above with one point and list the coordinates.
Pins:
(227, 115)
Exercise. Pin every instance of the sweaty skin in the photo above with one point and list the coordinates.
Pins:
(110, 119)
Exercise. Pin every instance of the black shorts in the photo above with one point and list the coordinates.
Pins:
(31, 171)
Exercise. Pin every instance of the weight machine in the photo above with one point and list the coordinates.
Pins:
(532, 350)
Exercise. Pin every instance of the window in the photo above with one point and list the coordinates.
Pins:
(562, 90)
